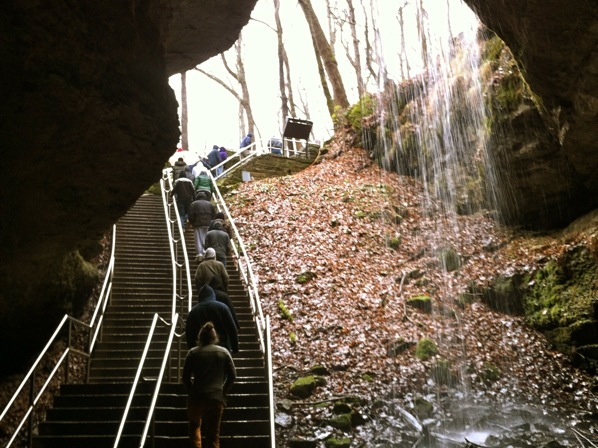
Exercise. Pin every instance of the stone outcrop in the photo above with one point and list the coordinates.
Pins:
(555, 45)
(88, 121)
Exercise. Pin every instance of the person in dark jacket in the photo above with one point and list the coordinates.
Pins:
(214, 158)
(201, 213)
(218, 239)
(209, 309)
(208, 268)
(179, 166)
(223, 297)
(208, 375)
(184, 193)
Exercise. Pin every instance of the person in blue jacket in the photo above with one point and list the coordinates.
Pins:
(246, 141)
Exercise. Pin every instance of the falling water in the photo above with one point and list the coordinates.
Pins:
(433, 125)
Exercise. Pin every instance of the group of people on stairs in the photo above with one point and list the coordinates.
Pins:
(212, 325)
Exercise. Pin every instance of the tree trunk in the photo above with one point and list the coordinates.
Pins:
(326, 55)
(403, 59)
(281, 64)
(244, 90)
(184, 116)
(356, 53)
(323, 81)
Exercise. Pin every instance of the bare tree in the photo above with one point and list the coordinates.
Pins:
(326, 57)
(402, 59)
(284, 71)
(246, 120)
(421, 16)
(356, 59)
(184, 116)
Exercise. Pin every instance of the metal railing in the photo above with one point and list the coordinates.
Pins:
(290, 148)
(250, 281)
(181, 274)
(138, 377)
(94, 328)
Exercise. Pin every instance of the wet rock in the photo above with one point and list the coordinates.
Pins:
(283, 420)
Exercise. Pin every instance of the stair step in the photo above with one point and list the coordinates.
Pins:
(88, 415)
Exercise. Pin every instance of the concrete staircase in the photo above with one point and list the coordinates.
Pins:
(88, 415)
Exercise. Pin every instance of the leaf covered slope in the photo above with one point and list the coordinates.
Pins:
(343, 245)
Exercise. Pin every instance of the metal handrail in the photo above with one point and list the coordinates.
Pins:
(166, 188)
(148, 341)
(256, 149)
(244, 265)
(269, 369)
(243, 154)
(150, 414)
(98, 314)
(252, 287)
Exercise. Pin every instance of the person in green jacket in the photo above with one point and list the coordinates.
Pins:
(203, 182)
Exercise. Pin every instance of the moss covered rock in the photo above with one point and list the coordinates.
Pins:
(421, 302)
(304, 386)
(425, 349)
(334, 442)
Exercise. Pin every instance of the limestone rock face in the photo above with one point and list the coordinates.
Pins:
(555, 44)
(88, 118)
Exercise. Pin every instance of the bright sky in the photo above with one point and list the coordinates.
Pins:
(213, 112)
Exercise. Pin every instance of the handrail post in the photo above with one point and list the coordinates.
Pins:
(30, 419)
(68, 357)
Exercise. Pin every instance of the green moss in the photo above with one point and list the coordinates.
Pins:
(305, 277)
(292, 337)
(342, 422)
(425, 349)
(441, 373)
(304, 386)
(490, 372)
(563, 293)
(394, 242)
(335, 442)
(360, 214)
(423, 408)
(284, 311)
(493, 48)
(364, 108)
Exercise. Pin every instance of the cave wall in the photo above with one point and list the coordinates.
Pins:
(556, 48)
(88, 121)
